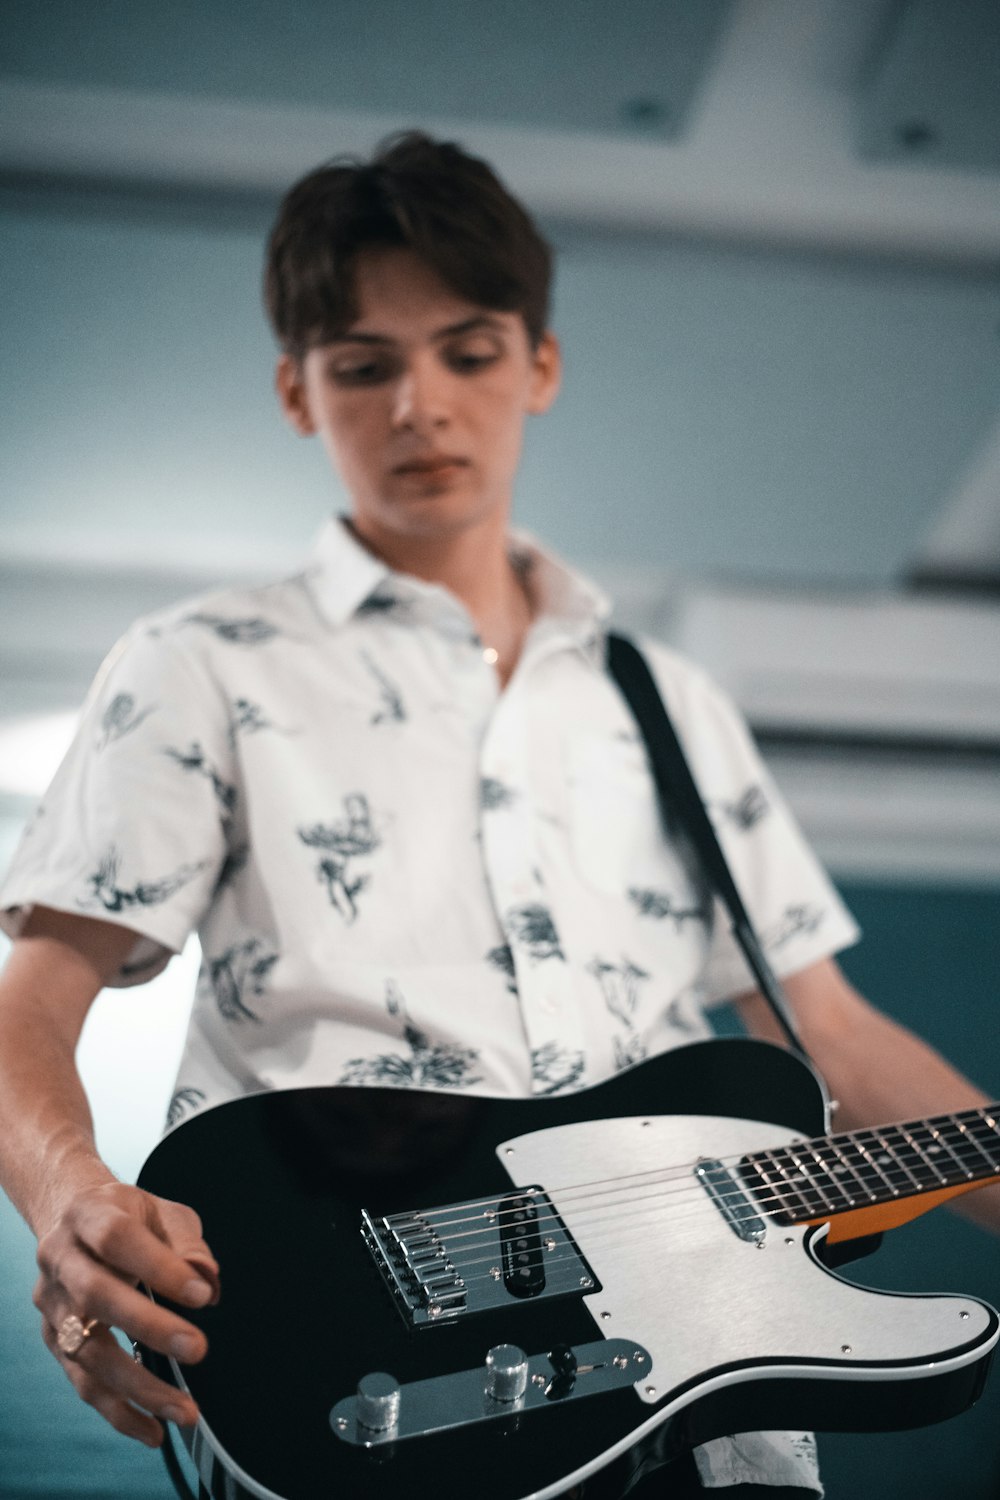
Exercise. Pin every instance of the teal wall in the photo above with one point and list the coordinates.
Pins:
(929, 957)
(786, 417)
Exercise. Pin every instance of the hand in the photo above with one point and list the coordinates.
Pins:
(107, 1240)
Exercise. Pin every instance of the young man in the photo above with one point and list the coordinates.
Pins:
(397, 795)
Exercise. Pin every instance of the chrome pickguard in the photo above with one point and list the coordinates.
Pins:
(699, 1297)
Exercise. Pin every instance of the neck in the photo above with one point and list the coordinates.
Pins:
(871, 1179)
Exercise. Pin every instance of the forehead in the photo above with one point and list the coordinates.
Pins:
(398, 295)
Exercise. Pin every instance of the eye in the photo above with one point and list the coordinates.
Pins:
(359, 371)
(469, 358)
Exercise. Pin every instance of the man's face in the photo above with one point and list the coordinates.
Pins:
(421, 403)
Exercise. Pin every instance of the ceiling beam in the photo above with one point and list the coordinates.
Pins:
(769, 158)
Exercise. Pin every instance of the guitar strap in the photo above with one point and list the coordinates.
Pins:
(680, 799)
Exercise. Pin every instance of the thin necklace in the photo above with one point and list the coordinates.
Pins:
(491, 654)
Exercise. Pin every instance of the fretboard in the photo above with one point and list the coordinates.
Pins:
(834, 1174)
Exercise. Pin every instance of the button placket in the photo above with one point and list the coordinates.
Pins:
(521, 899)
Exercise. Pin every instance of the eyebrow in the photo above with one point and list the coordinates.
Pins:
(468, 325)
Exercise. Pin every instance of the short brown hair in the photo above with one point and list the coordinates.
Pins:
(429, 196)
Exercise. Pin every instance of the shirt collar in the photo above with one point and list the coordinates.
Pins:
(346, 579)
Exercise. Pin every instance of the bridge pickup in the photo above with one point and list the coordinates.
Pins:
(441, 1263)
(521, 1246)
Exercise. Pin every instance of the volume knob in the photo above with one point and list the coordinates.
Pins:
(377, 1405)
(506, 1372)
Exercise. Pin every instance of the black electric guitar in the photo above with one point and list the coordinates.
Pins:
(435, 1294)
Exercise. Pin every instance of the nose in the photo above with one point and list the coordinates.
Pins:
(420, 397)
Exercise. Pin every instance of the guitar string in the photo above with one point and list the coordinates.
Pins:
(864, 1134)
(611, 1219)
(598, 1230)
(662, 1199)
(753, 1206)
(770, 1204)
(682, 1173)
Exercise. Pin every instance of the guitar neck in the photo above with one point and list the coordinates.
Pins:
(865, 1181)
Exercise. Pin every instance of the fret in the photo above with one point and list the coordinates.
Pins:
(844, 1166)
(951, 1134)
(895, 1150)
(834, 1171)
(963, 1126)
(923, 1153)
(787, 1193)
(984, 1129)
(877, 1184)
(778, 1181)
(798, 1175)
(754, 1170)
(805, 1171)
(957, 1169)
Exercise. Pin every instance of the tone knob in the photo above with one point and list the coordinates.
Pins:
(377, 1401)
(506, 1372)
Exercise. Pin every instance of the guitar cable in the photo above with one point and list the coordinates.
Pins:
(170, 1458)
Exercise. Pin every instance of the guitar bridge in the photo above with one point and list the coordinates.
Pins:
(462, 1258)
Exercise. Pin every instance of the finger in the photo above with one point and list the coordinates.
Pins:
(89, 1289)
(112, 1368)
(139, 1250)
(114, 1407)
(208, 1271)
(119, 1305)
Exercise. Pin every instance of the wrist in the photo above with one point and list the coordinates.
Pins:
(72, 1167)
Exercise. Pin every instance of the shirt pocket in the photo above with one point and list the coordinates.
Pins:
(616, 829)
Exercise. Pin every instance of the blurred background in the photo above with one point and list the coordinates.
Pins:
(778, 445)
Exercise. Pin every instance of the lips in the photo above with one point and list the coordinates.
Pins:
(431, 465)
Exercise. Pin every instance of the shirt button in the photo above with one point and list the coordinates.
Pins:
(491, 656)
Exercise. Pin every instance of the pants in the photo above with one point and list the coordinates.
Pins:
(679, 1481)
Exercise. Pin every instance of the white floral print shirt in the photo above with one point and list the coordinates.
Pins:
(400, 874)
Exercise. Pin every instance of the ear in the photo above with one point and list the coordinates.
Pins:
(290, 383)
(546, 375)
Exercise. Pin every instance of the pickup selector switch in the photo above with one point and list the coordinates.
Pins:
(377, 1401)
(506, 1372)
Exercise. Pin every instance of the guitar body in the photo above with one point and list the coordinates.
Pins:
(660, 1305)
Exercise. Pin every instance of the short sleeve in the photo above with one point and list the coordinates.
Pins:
(135, 825)
(797, 914)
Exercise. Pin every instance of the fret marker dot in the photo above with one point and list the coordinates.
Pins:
(491, 656)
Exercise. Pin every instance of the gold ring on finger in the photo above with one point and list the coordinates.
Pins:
(73, 1333)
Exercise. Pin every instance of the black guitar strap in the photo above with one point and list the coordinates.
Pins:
(679, 796)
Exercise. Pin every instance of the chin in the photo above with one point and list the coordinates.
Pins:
(444, 514)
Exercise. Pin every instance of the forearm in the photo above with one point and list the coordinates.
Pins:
(47, 1148)
(100, 1241)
